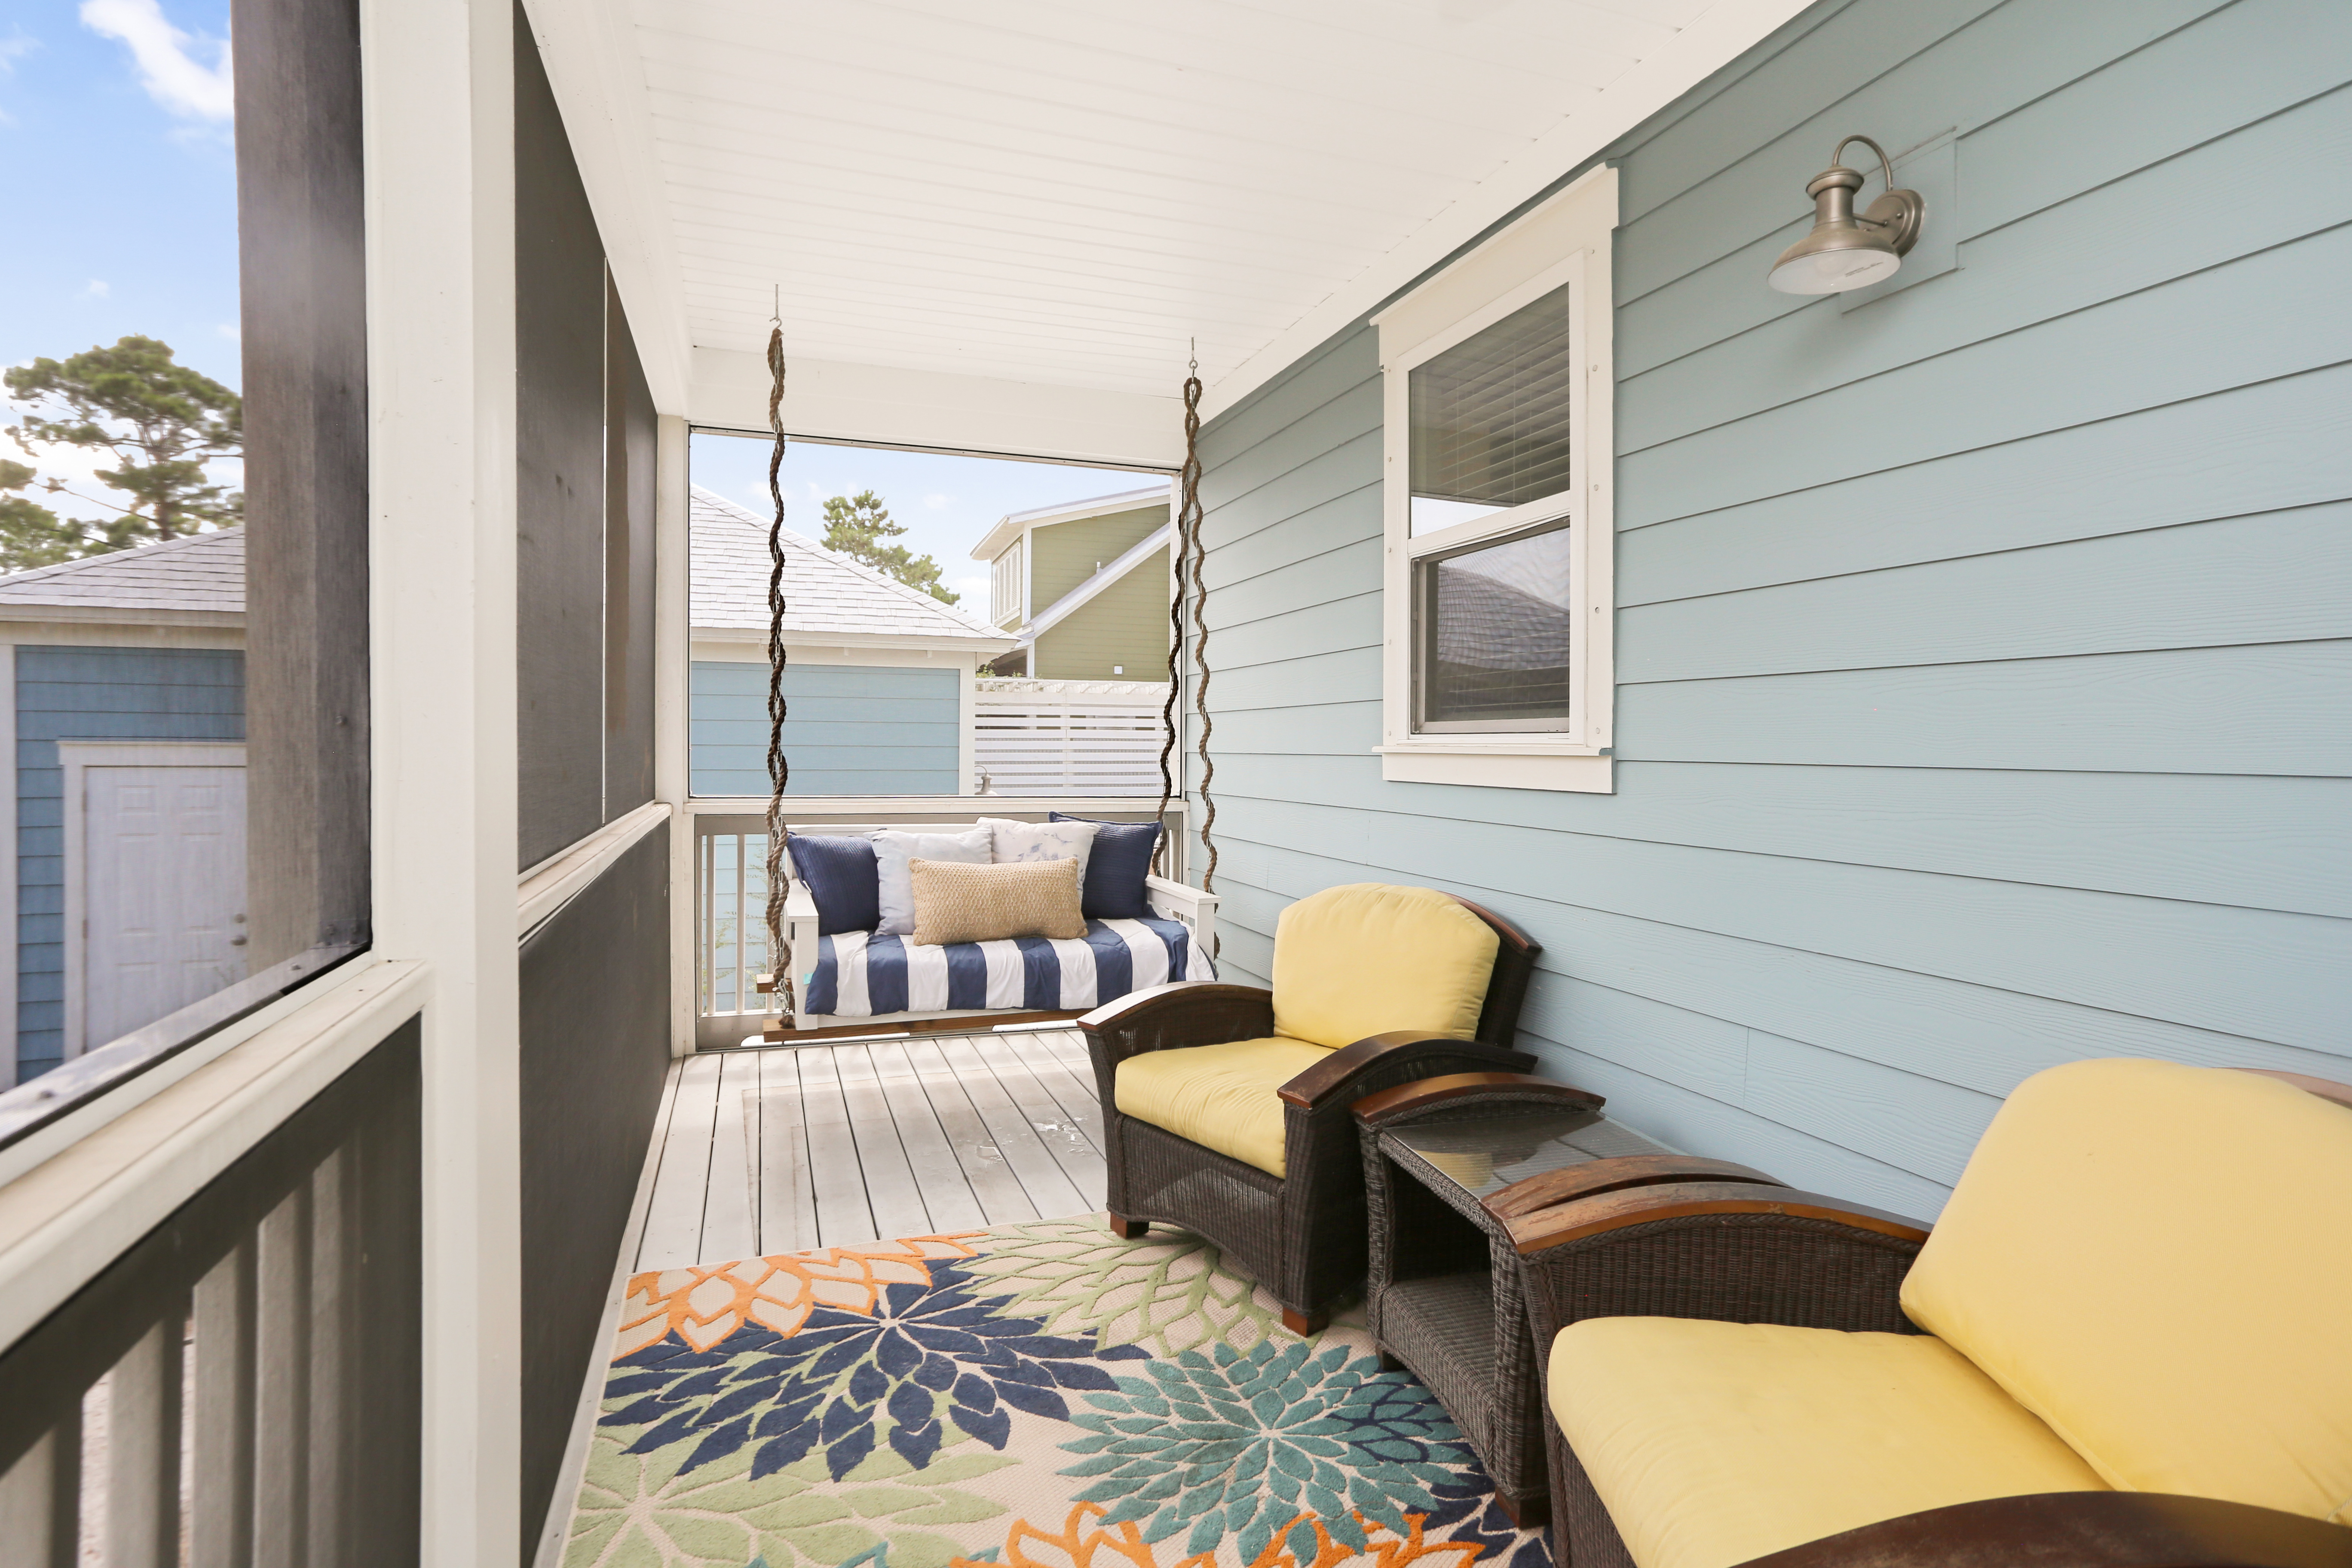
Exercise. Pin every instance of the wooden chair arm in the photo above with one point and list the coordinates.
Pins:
(1409, 1099)
(1182, 1013)
(1175, 997)
(1550, 1189)
(2081, 1529)
(1614, 1210)
(1330, 1078)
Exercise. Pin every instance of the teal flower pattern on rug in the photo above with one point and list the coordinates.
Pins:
(1042, 1395)
(1249, 1445)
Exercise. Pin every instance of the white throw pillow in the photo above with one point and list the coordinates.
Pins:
(1016, 841)
(893, 850)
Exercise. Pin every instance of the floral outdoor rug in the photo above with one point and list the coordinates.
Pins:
(1037, 1396)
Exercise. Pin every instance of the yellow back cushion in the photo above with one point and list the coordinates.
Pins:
(1366, 958)
(2157, 1260)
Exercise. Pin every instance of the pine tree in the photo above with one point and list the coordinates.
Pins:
(30, 533)
(855, 526)
(162, 421)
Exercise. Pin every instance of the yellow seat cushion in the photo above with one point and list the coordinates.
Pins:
(2157, 1260)
(1714, 1443)
(1221, 1096)
(1367, 958)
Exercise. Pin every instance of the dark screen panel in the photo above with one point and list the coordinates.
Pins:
(630, 453)
(595, 1045)
(560, 477)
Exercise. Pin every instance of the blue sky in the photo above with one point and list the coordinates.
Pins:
(122, 191)
(119, 176)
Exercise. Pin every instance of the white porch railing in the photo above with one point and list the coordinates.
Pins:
(1068, 737)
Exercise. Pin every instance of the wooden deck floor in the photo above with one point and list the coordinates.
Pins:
(779, 1151)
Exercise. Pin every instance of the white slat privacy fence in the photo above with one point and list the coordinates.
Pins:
(1068, 737)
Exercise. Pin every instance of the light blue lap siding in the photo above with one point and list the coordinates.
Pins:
(852, 728)
(91, 694)
(1983, 650)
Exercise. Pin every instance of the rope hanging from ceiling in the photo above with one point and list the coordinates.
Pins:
(780, 770)
(1191, 555)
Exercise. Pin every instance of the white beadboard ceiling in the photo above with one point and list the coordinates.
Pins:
(1062, 192)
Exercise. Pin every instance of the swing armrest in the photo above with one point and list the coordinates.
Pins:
(1193, 909)
(800, 931)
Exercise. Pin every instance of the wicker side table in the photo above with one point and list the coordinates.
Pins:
(1444, 1293)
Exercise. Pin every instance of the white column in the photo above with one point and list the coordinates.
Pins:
(441, 350)
(968, 724)
(673, 707)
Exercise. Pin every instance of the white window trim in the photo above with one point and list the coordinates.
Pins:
(1567, 239)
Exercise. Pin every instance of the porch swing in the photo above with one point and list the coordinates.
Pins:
(849, 969)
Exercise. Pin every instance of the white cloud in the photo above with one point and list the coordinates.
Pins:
(974, 591)
(97, 288)
(231, 330)
(170, 72)
(14, 47)
(937, 503)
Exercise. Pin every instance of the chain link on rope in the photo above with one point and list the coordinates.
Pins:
(1189, 543)
(779, 770)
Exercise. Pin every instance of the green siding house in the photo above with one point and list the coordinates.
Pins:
(1084, 587)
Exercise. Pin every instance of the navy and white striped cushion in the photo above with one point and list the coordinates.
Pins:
(862, 974)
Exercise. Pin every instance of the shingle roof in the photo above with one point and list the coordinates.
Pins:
(823, 593)
(202, 572)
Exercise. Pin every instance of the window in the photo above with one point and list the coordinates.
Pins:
(1004, 588)
(1498, 525)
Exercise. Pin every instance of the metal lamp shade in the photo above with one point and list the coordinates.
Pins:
(1845, 251)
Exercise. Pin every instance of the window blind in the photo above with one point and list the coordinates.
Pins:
(1490, 416)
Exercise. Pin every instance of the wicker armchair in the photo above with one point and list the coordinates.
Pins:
(2118, 1295)
(1301, 1233)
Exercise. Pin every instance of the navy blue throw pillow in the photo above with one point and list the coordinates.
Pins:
(1114, 872)
(842, 877)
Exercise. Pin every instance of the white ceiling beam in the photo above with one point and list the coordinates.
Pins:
(827, 400)
(1712, 40)
(596, 68)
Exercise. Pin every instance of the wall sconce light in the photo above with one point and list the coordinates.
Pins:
(1845, 251)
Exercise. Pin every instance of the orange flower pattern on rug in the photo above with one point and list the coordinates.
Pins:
(703, 1305)
(1078, 1542)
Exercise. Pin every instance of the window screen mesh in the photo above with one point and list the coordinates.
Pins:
(1490, 415)
(1495, 623)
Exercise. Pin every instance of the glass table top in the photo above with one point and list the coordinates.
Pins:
(1488, 1154)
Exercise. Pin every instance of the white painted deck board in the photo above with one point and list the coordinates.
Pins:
(1002, 1196)
(673, 1236)
(787, 1197)
(768, 1151)
(1041, 1174)
(891, 1192)
(730, 1223)
(1072, 1092)
(1080, 1161)
(843, 1215)
(947, 1197)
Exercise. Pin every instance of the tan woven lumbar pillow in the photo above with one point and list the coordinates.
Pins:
(955, 903)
